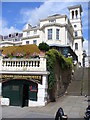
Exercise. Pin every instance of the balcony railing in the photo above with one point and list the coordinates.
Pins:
(15, 64)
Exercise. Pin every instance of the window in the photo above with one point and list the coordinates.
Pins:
(72, 14)
(28, 32)
(35, 31)
(16, 34)
(75, 26)
(49, 34)
(15, 39)
(53, 20)
(57, 34)
(76, 12)
(76, 46)
(34, 41)
(76, 34)
(27, 42)
(9, 35)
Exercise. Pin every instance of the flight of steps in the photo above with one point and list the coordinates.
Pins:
(79, 83)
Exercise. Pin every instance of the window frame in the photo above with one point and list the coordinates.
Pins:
(76, 46)
(52, 20)
(50, 34)
(28, 33)
(75, 26)
(34, 41)
(35, 31)
(57, 34)
(76, 34)
(27, 43)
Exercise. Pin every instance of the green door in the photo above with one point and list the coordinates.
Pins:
(13, 91)
(19, 92)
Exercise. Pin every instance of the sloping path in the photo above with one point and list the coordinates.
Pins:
(73, 106)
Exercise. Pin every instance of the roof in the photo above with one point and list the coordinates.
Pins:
(76, 6)
(27, 49)
(13, 35)
(57, 45)
(56, 16)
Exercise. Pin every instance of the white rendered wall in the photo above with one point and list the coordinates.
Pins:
(41, 95)
(78, 22)
(79, 52)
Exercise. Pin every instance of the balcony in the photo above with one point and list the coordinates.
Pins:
(23, 65)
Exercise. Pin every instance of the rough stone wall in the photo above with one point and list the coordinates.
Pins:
(63, 78)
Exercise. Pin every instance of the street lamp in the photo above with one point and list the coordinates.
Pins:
(84, 55)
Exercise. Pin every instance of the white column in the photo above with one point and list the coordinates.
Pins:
(42, 91)
(79, 16)
(43, 63)
(74, 15)
(70, 15)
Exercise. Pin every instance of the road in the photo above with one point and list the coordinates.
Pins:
(73, 106)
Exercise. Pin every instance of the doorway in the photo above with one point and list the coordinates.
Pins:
(25, 95)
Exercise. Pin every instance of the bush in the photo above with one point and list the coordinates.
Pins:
(44, 46)
(65, 63)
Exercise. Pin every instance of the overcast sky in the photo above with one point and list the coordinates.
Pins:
(16, 14)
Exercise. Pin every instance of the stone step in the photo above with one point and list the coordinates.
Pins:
(79, 83)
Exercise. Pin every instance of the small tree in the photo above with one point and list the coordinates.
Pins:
(44, 46)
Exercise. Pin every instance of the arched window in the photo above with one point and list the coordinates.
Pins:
(76, 46)
(76, 34)
(72, 14)
(76, 13)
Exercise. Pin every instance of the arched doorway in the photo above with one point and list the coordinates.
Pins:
(19, 91)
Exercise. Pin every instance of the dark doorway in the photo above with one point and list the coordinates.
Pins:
(12, 90)
(19, 91)
(25, 95)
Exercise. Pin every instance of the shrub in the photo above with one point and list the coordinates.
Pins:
(53, 55)
(44, 46)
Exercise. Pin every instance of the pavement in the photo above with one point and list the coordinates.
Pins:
(73, 106)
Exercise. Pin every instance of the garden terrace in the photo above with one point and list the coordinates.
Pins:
(20, 51)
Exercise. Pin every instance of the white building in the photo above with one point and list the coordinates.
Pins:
(75, 19)
(24, 81)
(53, 30)
(57, 30)
(87, 61)
(11, 40)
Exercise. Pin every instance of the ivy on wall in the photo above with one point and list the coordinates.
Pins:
(65, 63)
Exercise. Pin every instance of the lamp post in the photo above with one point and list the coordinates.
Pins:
(84, 55)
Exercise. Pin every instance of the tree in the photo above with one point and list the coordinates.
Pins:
(44, 46)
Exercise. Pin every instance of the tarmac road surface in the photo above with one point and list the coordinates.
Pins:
(73, 106)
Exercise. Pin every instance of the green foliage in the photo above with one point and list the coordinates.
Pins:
(69, 62)
(52, 56)
(43, 46)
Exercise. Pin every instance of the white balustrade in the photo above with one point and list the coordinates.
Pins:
(16, 64)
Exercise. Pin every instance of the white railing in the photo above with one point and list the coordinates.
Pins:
(15, 64)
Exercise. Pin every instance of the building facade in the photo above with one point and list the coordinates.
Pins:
(23, 81)
(11, 40)
(75, 19)
(87, 61)
(56, 30)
